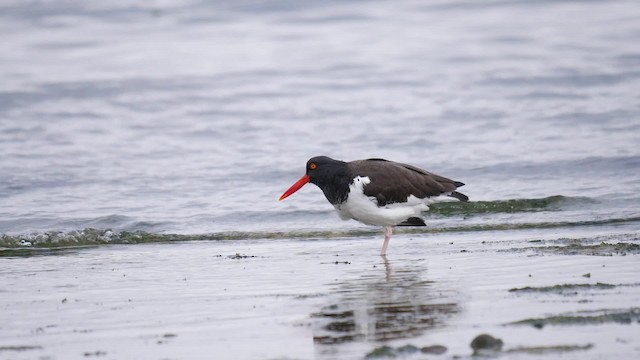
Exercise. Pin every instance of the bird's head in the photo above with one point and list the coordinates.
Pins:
(320, 170)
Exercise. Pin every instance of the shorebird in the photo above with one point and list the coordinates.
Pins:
(377, 191)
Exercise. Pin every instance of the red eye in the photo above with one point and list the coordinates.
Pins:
(313, 166)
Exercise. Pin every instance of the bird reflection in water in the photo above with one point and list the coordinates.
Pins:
(376, 307)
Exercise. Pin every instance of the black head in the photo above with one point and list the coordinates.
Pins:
(332, 176)
(323, 169)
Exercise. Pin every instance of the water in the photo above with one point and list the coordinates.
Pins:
(158, 121)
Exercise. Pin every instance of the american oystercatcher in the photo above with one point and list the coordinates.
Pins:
(377, 191)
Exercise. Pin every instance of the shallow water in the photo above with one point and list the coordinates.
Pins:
(141, 140)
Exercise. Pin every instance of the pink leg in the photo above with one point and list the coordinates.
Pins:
(387, 236)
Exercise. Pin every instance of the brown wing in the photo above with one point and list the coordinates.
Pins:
(393, 182)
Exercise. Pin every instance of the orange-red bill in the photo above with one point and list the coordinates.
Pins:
(295, 187)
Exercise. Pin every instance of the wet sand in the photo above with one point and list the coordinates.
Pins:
(538, 291)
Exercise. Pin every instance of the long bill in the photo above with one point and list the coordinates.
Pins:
(295, 187)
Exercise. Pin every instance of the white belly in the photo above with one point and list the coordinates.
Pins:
(365, 208)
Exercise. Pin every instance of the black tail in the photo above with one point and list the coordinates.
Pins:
(460, 196)
(413, 221)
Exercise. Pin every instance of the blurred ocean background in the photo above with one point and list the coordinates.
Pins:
(192, 117)
(129, 122)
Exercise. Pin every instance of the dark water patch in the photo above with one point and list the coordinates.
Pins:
(522, 226)
(602, 249)
(624, 119)
(564, 80)
(326, 19)
(598, 239)
(628, 59)
(467, 5)
(58, 14)
(587, 166)
(544, 95)
(597, 317)
(31, 251)
(111, 90)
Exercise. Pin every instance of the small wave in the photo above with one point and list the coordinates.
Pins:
(551, 203)
(95, 237)
(91, 236)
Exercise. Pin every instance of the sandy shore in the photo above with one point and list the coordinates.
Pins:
(542, 292)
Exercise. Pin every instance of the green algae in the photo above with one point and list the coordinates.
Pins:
(382, 351)
(20, 348)
(486, 342)
(542, 350)
(402, 351)
(618, 316)
(563, 289)
(434, 349)
(551, 203)
(237, 256)
(483, 346)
